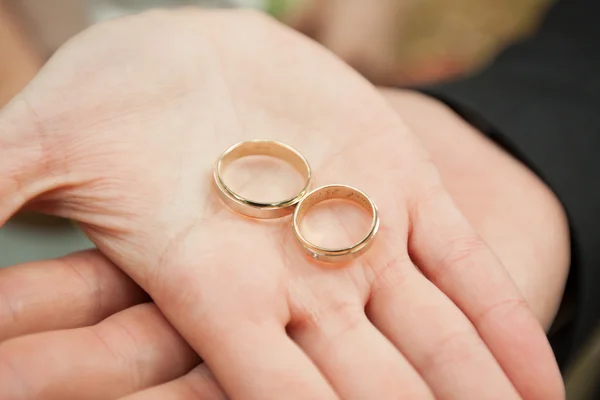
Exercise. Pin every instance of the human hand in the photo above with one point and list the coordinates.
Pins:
(75, 294)
(509, 206)
(170, 91)
(52, 295)
(77, 327)
(80, 291)
(365, 34)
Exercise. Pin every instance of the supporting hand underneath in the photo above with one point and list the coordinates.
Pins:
(120, 131)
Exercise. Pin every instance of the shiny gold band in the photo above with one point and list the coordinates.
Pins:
(261, 147)
(336, 192)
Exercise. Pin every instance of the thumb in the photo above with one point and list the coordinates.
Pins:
(24, 167)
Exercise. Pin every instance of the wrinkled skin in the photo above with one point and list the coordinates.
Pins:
(120, 131)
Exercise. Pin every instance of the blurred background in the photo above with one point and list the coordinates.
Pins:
(391, 42)
(394, 42)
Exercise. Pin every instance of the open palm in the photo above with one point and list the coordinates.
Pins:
(123, 126)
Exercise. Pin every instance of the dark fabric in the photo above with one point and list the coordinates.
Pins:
(540, 99)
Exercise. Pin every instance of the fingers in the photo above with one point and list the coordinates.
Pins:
(434, 335)
(356, 358)
(70, 292)
(262, 362)
(457, 261)
(127, 352)
(198, 384)
(233, 311)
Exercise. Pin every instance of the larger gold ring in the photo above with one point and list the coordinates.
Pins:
(261, 147)
(336, 192)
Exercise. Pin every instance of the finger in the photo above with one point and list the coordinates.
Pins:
(262, 362)
(237, 325)
(198, 384)
(458, 262)
(70, 292)
(127, 352)
(435, 336)
(356, 358)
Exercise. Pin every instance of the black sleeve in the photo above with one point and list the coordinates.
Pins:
(540, 100)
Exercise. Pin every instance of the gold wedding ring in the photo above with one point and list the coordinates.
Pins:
(328, 193)
(261, 147)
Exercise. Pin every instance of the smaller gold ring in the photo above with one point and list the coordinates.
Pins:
(261, 147)
(330, 192)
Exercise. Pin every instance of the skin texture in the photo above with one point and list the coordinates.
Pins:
(119, 132)
(512, 209)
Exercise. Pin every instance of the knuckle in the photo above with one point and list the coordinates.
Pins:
(333, 320)
(85, 268)
(452, 349)
(459, 254)
(121, 346)
(391, 275)
(502, 309)
(348, 317)
(425, 199)
(462, 248)
(9, 314)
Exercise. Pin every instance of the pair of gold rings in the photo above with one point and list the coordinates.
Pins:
(299, 204)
